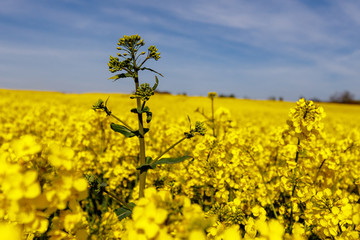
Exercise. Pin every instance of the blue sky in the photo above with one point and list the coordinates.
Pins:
(252, 48)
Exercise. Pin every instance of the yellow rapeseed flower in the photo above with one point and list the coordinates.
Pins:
(61, 157)
(273, 229)
(10, 231)
(26, 145)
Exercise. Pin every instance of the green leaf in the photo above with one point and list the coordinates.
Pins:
(124, 212)
(121, 75)
(148, 159)
(156, 83)
(146, 130)
(145, 110)
(137, 132)
(145, 167)
(148, 116)
(123, 130)
(170, 160)
(152, 70)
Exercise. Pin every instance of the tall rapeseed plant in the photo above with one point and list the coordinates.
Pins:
(130, 63)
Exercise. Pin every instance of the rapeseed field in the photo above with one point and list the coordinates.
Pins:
(263, 170)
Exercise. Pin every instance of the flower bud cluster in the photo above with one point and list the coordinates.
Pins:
(115, 64)
(305, 119)
(133, 41)
(199, 129)
(212, 95)
(144, 92)
(101, 105)
(153, 53)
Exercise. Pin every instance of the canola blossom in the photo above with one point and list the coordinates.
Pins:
(263, 170)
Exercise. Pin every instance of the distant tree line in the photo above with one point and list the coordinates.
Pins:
(341, 97)
(338, 97)
(231, 95)
(344, 97)
(164, 92)
(273, 98)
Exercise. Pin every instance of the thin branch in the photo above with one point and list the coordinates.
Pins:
(121, 121)
(168, 149)
(117, 199)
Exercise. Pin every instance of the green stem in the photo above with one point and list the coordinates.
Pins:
(294, 188)
(141, 139)
(121, 121)
(213, 116)
(143, 105)
(318, 171)
(168, 149)
(143, 61)
(117, 199)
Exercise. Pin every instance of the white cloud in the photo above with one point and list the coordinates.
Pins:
(10, 50)
(290, 45)
(352, 10)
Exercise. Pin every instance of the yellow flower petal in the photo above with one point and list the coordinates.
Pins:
(80, 184)
(32, 191)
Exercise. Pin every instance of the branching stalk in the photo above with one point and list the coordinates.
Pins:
(141, 141)
(266, 188)
(126, 125)
(318, 171)
(133, 65)
(117, 199)
(168, 149)
(294, 188)
(213, 116)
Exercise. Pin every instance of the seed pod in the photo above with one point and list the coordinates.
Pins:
(148, 116)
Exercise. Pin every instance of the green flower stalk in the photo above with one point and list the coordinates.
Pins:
(129, 52)
(210, 120)
(212, 95)
(305, 123)
(130, 62)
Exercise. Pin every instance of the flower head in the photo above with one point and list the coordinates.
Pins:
(305, 119)
(212, 95)
(144, 92)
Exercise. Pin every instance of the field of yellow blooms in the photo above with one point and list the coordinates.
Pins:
(264, 169)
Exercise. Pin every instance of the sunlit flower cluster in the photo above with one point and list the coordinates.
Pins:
(267, 173)
(305, 119)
